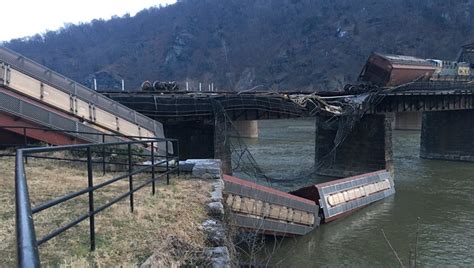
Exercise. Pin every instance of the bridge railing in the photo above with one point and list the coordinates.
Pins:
(140, 159)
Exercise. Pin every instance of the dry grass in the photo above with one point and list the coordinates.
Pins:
(167, 222)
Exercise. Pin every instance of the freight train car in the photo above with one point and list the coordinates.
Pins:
(384, 70)
(450, 70)
(392, 70)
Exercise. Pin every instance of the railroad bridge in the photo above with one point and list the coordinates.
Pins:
(353, 131)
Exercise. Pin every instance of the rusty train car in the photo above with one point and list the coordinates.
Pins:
(385, 70)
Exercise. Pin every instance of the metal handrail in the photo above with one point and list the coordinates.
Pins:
(27, 242)
(27, 248)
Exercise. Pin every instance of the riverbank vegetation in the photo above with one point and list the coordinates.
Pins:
(167, 222)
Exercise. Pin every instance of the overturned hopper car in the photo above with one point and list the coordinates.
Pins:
(386, 70)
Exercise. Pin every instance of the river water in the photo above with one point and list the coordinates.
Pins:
(440, 193)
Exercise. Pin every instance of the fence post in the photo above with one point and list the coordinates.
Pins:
(177, 154)
(27, 247)
(130, 177)
(25, 139)
(152, 169)
(167, 165)
(91, 199)
(103, 154)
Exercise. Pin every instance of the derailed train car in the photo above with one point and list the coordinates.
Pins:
(450, 71)
(385, 70)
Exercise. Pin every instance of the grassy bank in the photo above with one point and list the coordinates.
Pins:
(166, 223)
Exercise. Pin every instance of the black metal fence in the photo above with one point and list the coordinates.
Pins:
(134, 157)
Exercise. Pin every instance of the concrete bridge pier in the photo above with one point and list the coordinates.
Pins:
(448, 135)
(367, 148)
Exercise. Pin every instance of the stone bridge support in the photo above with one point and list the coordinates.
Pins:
(448, 135)
(367, 147)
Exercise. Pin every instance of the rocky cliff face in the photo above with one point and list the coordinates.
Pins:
(241, 44)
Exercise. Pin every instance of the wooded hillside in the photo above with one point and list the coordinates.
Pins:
(240, 44)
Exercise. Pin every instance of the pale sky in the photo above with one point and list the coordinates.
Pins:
(22, 18)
